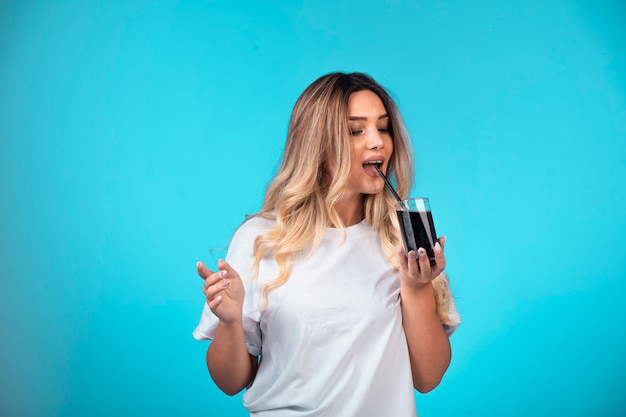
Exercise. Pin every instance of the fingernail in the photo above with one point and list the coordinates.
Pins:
(437, 248)
(412, 254)
(223, 273)
(444, 239)
(225, 283)
(422, 252)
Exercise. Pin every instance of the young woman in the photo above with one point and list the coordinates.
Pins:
(316, 310)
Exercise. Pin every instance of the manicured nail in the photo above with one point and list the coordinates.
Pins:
(225, 283)
(412, 254)
(422, 252)
(223, 273)
(437, 248)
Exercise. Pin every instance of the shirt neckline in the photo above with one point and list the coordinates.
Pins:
(351, 231)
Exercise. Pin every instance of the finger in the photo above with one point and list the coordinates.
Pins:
(212, 291)
(413, 265)
(226, 271)
(439, 258)
(402, 258)
(423, 262)
(442, 241)
(225, 267)
(203, 271)
(215, 302)
(214, 278)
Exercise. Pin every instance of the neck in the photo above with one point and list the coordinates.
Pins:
(350, 211)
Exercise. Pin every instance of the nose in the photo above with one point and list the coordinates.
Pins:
(374, 140)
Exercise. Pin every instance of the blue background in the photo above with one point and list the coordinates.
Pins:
(137, 135)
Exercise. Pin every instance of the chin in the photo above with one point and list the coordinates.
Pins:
(373, 190)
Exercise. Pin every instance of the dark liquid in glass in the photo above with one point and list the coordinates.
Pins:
(418, 231)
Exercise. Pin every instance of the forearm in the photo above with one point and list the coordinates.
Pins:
(429, 347)
(229, 363)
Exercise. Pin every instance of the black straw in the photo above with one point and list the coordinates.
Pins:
(389, 186)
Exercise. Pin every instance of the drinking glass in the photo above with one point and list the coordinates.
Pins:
(417, 226)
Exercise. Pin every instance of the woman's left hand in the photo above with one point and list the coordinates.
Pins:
(415, 269)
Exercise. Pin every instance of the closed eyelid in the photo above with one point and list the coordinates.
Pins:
(356, 127)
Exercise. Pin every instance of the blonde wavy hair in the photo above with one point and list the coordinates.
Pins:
(302, 196)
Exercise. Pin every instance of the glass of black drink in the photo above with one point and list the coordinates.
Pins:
(416, 225)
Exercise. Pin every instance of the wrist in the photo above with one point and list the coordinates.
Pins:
(417, 288)
(231, 323)
(425, 293)
(419, 302)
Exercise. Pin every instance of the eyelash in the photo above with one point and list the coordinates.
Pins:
(358, 132)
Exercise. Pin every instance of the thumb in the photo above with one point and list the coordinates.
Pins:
(203, 271)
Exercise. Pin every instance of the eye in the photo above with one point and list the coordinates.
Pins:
(384, 128)
(356, 132)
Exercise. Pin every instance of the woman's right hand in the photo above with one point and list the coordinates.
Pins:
(223, 290)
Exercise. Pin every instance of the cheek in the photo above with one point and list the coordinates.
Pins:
(355, 151)
(389, 146)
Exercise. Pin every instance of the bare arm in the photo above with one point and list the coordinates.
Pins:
(228, 361)
(429, 347)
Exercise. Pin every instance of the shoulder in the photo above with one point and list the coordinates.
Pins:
(252, 227)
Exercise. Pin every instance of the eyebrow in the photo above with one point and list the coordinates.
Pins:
(351, 118)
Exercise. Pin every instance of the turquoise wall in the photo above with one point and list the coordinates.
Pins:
(136, 135)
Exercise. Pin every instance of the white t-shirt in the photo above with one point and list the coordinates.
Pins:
(331, 339)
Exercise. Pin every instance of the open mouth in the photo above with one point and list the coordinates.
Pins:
(370, 167)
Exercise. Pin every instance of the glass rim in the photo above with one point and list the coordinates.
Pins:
(422, 202)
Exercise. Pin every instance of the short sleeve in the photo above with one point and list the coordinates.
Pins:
(240, 257)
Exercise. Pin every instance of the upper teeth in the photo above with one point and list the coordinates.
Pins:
(374, 162)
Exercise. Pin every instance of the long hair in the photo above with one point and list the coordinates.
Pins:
(302, 196)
